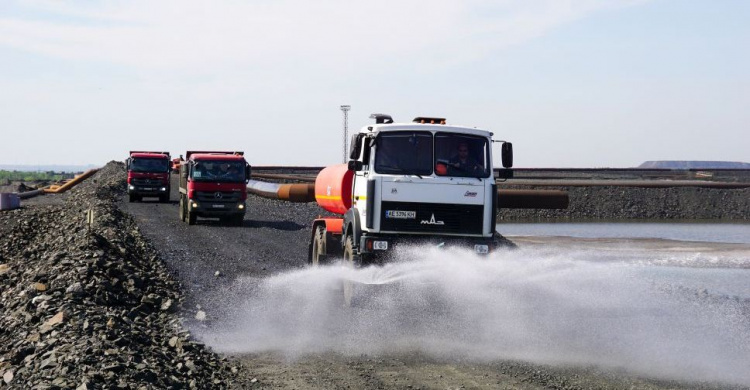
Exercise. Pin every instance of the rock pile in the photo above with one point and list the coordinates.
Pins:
(87, 304)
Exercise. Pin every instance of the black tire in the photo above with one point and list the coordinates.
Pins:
(182, 208)
(238, 220)
(350, 260)
(317, 253)
(191, 217)
(163, 198)
(131, 198)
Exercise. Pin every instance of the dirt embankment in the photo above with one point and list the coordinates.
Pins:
(632, 203)
(91, 306)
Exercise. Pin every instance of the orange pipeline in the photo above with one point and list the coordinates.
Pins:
(55, 189)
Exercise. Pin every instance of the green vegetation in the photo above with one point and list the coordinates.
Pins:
(32, 176)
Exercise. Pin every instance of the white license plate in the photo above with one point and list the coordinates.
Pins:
(218, 206)
(380, 245)
(400, 214)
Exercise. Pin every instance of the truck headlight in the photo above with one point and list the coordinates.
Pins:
(482, 249)
(241, 206)
(195, 205)
(375, 245)
(131, 187)
(163, 189)
(380, 245)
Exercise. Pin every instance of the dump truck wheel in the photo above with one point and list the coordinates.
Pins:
(164, 198)
(318, 257)
(237, 220)
(131, 198)
(190, 217)
(182, 209)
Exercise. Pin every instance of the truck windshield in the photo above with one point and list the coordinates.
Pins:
(149, 165)
(219, 171)
(461, 155)
(407, 153)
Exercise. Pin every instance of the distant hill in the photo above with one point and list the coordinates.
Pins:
(47, 168)
(695, 165)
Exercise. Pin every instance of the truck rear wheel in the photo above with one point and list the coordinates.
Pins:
(317, 255)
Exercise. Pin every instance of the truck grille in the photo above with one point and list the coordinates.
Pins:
(146, 182)
(432, 218)
(218, 196)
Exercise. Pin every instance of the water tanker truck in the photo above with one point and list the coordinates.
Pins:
(212, 185)
(148, 175)
(407, 183)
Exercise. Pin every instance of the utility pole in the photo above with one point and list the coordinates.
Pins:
(345, 109)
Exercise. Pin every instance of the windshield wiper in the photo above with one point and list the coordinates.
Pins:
(403, 171)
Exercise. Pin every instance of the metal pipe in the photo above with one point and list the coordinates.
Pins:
(277, 176)
(299, 193)
(72, 183)
(532, 199)
(625, 183)
(30, 194)
(263, 189)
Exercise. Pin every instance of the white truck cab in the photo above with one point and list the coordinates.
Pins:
(422, 181)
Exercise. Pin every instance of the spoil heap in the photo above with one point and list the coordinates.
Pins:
(90, 305)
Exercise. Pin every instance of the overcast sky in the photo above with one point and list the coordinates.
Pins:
(572, 83)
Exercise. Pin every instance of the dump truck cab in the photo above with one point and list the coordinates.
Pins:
(213, 185)
(148, 175)
(419, 182)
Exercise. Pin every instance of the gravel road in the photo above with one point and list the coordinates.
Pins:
(208, 257)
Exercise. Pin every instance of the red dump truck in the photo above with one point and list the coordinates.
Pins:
(213, 185)
(148, 175)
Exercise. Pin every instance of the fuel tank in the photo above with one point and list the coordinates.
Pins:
(333, 188)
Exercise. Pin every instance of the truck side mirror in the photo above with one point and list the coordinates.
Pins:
(248, 172)
(355, 146)
(355, 165)
(127, 164)
(506, 151)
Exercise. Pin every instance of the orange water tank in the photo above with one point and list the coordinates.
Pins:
(333, 188)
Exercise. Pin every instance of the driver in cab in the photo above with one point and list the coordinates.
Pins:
(462, 161)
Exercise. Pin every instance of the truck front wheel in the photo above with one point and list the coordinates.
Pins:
(190, 216)
(350, 260)
(182, 208)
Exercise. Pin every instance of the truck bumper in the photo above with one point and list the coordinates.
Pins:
(148, 190)
(216, 209)
(382, 244)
